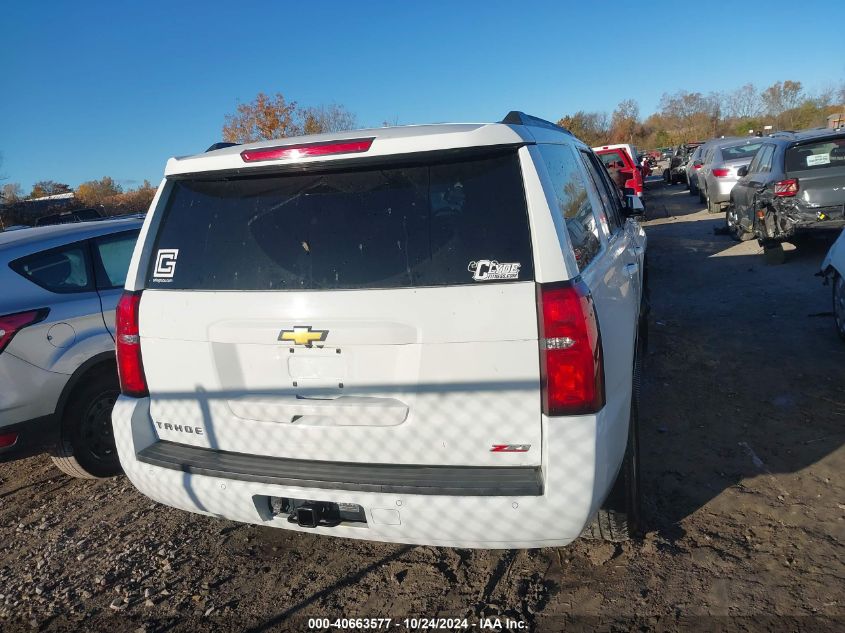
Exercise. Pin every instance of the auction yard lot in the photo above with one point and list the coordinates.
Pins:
(742, 432)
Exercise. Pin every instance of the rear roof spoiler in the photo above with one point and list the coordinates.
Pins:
(515, 117)
(221, 145)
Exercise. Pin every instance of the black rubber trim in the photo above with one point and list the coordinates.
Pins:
(34, 437)
(475, 481)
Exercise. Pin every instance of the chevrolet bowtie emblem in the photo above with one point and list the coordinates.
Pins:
(303, 335)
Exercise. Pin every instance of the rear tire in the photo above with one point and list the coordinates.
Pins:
(734, 227)
(619, 518)
(713, 207)
(839, 304)
(86, 446)
(701, 197)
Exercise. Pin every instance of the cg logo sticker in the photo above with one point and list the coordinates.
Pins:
(165, 266)
(485, 270)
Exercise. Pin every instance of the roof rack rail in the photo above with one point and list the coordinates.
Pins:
(515, 117)
(221, 145)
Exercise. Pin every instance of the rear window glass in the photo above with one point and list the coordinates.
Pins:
(817, 155)
(740, 151)
(612, 160)
(449, 223)
(62, 270)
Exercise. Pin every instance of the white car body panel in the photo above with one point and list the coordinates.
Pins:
(464, 383)
(835, 257)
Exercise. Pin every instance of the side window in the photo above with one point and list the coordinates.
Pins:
(607, 191)
(65, 269)
(768, 152)
(754, 167)
(573, 202)
(114, 253)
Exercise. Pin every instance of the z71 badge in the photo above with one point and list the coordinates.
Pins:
(486, 270)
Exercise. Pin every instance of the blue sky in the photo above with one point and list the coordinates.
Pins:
(97, 88)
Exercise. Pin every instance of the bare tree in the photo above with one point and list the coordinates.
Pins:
(267, 118)
(330, 118)
(744, 102)
(780, 97)
(591, 127)
(12, 192)
(264, 118)
(625, 120)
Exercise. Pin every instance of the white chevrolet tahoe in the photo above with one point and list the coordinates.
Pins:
(425, 334)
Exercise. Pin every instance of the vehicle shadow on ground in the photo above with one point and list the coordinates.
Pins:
(742, 378)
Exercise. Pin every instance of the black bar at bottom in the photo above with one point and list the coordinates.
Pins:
(476, 481)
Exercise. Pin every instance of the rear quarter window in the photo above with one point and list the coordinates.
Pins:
(445, 223)
(573, 202)
(63, 270)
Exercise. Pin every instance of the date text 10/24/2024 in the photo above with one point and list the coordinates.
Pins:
(413, 624)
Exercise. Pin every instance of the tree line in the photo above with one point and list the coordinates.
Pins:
(690, 116)
(682, 116)
(105, 195)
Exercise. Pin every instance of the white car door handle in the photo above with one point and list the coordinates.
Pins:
(632, 269)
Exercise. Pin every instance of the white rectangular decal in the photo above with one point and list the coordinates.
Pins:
(486, 269)
(818, 159)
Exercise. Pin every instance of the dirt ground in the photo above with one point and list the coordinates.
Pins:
(742, 431)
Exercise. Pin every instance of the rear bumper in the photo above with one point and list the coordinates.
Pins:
(390, 478)
(33, 437)
(722, 190)
(565, 492)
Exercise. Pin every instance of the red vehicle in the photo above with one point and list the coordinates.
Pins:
(622, 167)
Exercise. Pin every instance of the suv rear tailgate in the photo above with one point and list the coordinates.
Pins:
(380, 315)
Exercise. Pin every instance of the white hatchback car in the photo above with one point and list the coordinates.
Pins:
(423, 334)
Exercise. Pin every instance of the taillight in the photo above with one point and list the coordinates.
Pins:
(696, 166)
(721, 173)
(11, 324)
(130, 367)
(307, 150)
(571, 366)
(8, 439)
(786, 188)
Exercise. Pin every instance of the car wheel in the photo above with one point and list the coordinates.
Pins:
(86, 446)
(839, 304)
(701, 197)
(734, 227)
(619, 518)
(667, 177)
(713, 207)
